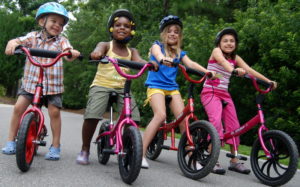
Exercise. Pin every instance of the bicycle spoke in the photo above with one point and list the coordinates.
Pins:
(268, 168)
(264, 165)
(275, 168)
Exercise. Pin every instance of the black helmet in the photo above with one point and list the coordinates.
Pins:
(168, 20)
(227, 30)
(121, 13)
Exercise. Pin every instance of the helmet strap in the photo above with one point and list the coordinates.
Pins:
(124, 41)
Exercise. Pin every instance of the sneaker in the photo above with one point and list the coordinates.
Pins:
(239, 167)
(145, 164)
(10, 148)
(218, 169)
(83, 158)
(53, 154)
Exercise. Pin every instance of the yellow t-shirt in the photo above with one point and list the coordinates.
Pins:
(106, 75)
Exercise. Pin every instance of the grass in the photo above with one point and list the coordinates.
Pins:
(243, 149)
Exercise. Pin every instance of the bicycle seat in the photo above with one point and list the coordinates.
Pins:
(113, 98)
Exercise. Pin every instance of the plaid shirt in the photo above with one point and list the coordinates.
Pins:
(53, 76)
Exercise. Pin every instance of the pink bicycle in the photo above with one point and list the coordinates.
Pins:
(274, 155)
(32, 129)
(122, 138)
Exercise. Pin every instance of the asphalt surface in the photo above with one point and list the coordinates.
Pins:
(65, 172)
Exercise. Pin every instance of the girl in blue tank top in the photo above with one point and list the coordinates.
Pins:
(163, 82)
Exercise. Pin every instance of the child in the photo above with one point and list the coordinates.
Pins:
(52, 17)
(121, 27)
(163, 82)
(223, 60)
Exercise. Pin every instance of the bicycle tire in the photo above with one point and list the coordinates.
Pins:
(25, 148)
(130, 162)
(203, 135)
(155, 147)
(103, 143)
(281, 146)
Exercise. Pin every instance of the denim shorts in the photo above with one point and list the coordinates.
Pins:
(55, 100)
(98, 101)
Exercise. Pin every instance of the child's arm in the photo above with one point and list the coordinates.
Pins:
(241, 63)
(194, 65)
(137, 58)
(11, 46)
(100, 50)
(191, 64)
(159, 56)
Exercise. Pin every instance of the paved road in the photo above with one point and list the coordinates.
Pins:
(163, 172)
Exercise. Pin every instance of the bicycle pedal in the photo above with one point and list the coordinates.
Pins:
(109, 151)
(165, 147)
(40, 143)
(242, 158)
(230, 155)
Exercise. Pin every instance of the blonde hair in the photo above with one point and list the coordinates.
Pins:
(171, 50)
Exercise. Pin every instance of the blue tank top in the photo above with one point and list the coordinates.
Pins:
(165, 77)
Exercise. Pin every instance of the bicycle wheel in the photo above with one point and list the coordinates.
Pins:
(198, 161)
(155, 147)
(282, 165)
(130, 162)
(25, 147)
(103, 144)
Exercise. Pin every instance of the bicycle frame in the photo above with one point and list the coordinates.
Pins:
(186, 115)
(36, 107)
(258, 118)
(125, 117)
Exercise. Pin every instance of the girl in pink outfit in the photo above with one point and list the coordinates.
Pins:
(226, 62)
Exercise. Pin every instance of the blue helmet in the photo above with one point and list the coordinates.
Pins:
(168, 20)
(52, 8)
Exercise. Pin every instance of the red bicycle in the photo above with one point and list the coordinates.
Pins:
(274, 155)
(122, 138)
(32, 129)
(199, 143)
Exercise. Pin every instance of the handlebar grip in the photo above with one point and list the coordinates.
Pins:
(259, 81)
(194, 72)
(131, 64)
(44, 53)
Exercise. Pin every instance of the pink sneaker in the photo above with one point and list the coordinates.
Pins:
(83, 158)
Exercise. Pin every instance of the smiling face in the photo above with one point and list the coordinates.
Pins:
(172, 35)
(54, 24)
(121, 28)
(228, 43)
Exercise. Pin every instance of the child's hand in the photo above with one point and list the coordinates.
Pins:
(155, 66)
(239, 72)
(11, 46)
(167, 61)
(75, 53)
(274, 85)
(96, 55)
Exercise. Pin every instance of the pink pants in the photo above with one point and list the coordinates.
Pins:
(212, 102)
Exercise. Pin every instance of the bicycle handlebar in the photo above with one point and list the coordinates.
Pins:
(29, 52)
(125, 63)
(256, 81)
(185, 70)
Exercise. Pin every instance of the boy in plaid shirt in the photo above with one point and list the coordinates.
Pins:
(52, 17)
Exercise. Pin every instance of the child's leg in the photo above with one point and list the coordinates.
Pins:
(213, 107)
(231, 123)
(177, 107)
(55, 122)
(88, 130)
(19, 108)
(159, 110)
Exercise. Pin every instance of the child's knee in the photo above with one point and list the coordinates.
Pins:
(160, 116)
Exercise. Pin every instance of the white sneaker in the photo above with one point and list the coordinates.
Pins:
(198, 166)
(145, 164)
